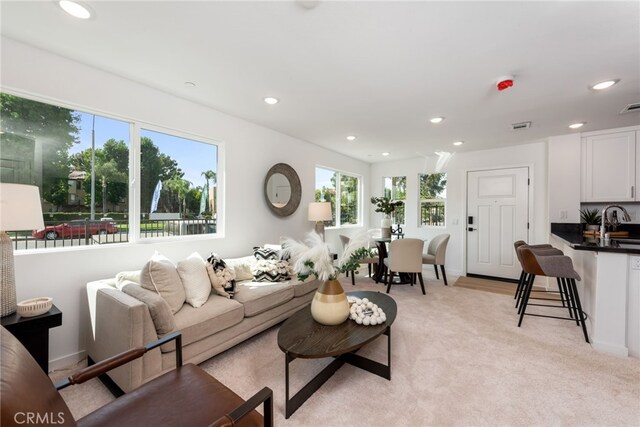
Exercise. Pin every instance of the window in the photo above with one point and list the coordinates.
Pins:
(329, 183)
(395, 188)
(433, 195)
(178, 185)
(80, 162)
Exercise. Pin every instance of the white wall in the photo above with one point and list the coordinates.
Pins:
(532, 155)
(249, 151)
(564, 178)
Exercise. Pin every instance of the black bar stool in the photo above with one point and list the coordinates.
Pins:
(560, 267)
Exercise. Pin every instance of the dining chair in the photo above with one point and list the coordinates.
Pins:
(436, 253)
(367, 260)
(405, 256)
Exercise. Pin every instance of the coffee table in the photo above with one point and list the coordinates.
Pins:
(302, 337)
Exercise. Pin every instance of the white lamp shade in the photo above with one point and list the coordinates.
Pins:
(320, 211)
(20, 207)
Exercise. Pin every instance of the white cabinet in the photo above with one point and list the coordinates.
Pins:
(610, 167)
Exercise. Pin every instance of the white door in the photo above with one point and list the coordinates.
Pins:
(497, 216)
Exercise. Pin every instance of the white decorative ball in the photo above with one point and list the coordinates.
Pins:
(359, 320)
(366, 321)
(365, 300)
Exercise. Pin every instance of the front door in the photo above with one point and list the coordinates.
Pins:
(497, 216)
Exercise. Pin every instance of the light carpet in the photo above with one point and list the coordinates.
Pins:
(458, 358)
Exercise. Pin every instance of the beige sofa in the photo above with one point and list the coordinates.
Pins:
(120, 321)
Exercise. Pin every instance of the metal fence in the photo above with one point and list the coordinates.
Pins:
(432, 214)
(86, 233)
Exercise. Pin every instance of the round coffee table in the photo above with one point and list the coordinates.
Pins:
(302, 337)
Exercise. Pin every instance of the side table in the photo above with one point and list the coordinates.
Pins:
(33, 333)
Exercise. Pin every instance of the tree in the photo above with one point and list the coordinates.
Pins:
(154, 166)
(209, 176)
(53, 129)
(179, 187)
(432, 185)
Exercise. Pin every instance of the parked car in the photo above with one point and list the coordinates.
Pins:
(75, 229)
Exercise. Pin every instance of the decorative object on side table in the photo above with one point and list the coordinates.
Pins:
(329, 305)
(592, 219)
(387, 207)
(20, 209)
(365, 312)
(34, 306)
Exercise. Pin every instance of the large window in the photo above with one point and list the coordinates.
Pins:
(329, 183)
(433, 195)
(395, 188)
(81, 163)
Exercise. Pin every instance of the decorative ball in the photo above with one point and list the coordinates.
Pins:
(366, 321)
(359, 320)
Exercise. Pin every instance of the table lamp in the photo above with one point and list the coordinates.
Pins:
(20, 209)
(320, 212)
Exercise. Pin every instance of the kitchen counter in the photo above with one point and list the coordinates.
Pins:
(572, 235)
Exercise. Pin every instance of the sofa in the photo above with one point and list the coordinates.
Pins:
(120, 320)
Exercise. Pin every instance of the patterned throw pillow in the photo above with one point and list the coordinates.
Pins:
(270, 270)
(266, 253)
(221, 276)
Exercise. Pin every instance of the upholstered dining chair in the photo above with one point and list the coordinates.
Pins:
(405, 256)
(436, 253)
(368, 260)
(185, 396)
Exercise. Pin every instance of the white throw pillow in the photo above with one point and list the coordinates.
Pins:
(159, 275)
(132, 276)
(242, 267)
(193, 273)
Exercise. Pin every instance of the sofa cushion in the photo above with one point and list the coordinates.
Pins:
(158, 308)
(195, 280)
(133, 276)
(216, 314)
(303, 288)
(217, 280)
(160, 276)
(260, 297)
(265, 253)
(270, 270)
(242, 267)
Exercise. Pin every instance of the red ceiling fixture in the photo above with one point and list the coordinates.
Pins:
(504, 82)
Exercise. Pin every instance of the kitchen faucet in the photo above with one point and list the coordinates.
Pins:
(625, 217)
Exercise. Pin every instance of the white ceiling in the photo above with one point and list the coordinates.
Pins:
(378, 70)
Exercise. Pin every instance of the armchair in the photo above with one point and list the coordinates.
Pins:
(186, 395)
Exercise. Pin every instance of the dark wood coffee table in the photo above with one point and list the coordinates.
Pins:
(302, 337)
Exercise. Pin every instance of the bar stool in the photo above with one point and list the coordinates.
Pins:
(544, 249)
(560, 267)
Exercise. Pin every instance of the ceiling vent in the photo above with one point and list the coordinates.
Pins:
(520, 126)
(631, 108)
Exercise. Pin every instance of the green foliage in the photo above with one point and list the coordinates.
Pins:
(432, 185)
(154, 166)
(351, 264)
(386, 205)
(591, 216)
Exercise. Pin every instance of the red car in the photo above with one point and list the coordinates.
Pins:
(75, 229)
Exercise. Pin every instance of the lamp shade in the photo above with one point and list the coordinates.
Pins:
(320, 211)
(20, 207)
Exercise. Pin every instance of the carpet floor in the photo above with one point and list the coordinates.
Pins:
(458, 358)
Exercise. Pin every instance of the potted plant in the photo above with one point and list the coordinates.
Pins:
(387, 207)
(592, 218)
(313, 257)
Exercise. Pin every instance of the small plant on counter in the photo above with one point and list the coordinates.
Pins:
(590, 216)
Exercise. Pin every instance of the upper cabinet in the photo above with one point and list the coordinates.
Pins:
(610, 167)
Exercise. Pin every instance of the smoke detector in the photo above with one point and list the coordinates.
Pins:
(504, 82)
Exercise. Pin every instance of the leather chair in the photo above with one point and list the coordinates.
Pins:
(436, 254)
(405, 256)
(185, 396)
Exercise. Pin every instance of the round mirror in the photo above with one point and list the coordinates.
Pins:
(282, 190)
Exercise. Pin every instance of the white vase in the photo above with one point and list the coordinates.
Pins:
(385, 227)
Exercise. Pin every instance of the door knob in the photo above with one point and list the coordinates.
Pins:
(471, 229)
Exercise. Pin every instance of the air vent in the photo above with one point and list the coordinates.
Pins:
(631, 108)
(520, 126)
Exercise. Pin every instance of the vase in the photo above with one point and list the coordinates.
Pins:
(329, 305)
(385, 227)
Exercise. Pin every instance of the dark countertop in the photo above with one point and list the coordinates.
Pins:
(572, 235)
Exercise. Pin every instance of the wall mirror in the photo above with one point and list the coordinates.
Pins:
(282, 190)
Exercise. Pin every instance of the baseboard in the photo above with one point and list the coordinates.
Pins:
(67, 361)
(610, 348)
(499, 279)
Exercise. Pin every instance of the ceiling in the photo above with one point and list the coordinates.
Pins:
(377, 70)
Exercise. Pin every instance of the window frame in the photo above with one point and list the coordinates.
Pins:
(133, 212)
(359, 203)
(421, 201)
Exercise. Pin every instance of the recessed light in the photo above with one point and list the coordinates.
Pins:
(436, 119)
(604, 85)
(385, 153)
(271, 101)
(576, 125)
(190, 84)
(351, 138)
(75, 9)
(458, 143)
